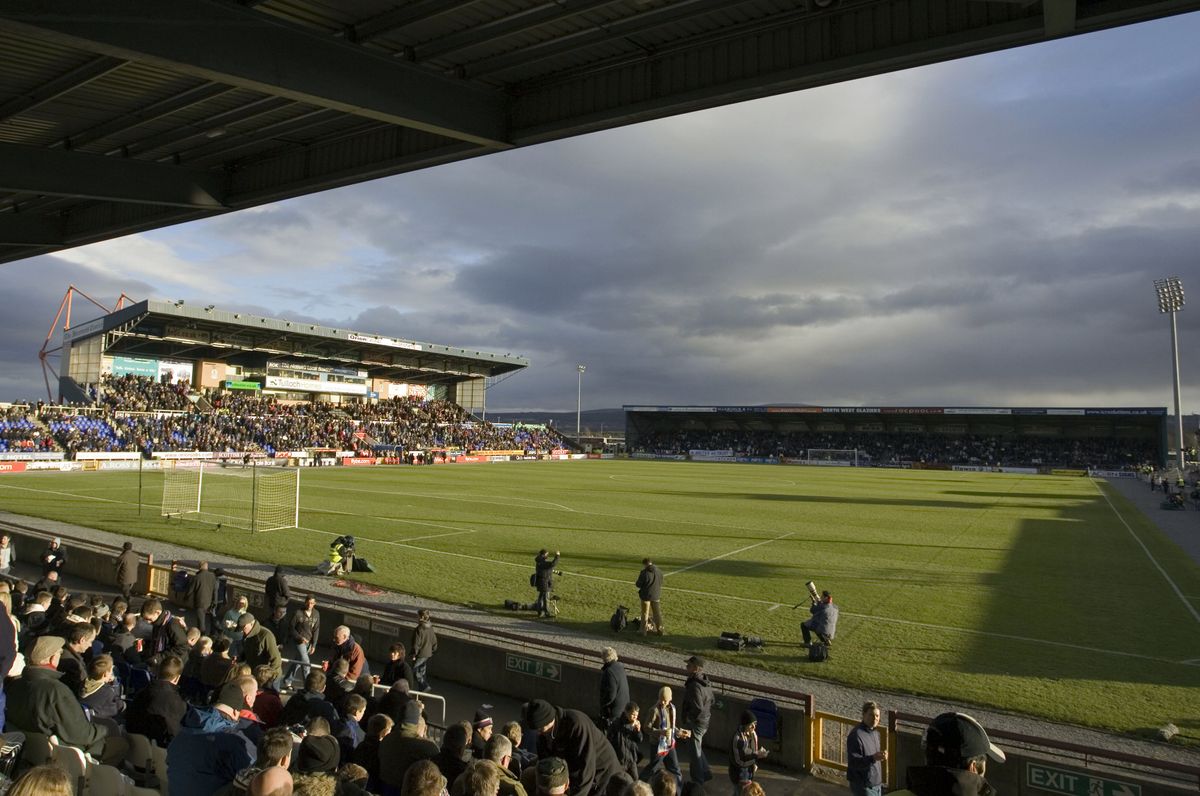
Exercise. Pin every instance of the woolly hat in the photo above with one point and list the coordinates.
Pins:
(551, 774)
(748, 718)
(482, 719)
(539, 713)
(44, 649)
(318, 754)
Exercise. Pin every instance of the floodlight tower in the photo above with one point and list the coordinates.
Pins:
(1170, 301)
(579, 397)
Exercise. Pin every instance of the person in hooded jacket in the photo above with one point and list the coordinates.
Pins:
(569, 734)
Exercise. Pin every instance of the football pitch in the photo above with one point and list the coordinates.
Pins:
(1050, 596)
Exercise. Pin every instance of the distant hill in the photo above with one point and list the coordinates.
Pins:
(589, 419)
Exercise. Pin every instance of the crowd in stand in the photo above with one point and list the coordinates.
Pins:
(136, 414)
(901, 448)
(20, 431)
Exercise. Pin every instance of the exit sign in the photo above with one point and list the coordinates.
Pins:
(1074, 783)
(547, 670)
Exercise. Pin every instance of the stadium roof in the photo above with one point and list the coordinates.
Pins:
(118, 116)
(173, 329)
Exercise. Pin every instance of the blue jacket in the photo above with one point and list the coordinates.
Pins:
(207, 753)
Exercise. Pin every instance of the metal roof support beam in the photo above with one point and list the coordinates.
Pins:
(416, 11)
(79, 76)
(60, 173)
(1059, 16)
(507, 26)
(219, 41)
(155, 110)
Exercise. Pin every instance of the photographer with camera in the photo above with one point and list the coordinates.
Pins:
(543, 580)
(823, 622)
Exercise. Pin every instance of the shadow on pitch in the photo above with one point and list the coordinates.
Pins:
(857, 500)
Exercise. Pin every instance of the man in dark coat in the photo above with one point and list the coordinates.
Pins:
(203, 596)
(957, 749)
(310, 702)
(157, 709)
(167, 634)
(404, 746)
(278, 593)
(39, 702)
(72, 664)
(54, 557)
(543, 580)
(259, 647)
(126, 570)
(649, 586)
(698, 701)
(424, 644)
(8, 649)
(614, 688)
(571, 735)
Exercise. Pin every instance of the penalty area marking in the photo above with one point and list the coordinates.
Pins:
(1191, 609)
(730, 553)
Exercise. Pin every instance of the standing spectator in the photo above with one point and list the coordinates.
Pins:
(157, 709)
(8, 648)
(745, 753)
(614, 688)
(350, 651)
(864, 760)
(258, 646)
(54, 558)
(8, 555)
(350, 734)
(210, 749)
(397, 668)
(823, 622)
(277, 592)
(543, 580)
(649, 586)
(697, 712)
(627, 738)
(279, 626)
(304, 629)
(126, 570)
(38, 702)
(957, 749)
(571, 735)
(424, 645)
(663, 729)
(167, 635)
(202, 593)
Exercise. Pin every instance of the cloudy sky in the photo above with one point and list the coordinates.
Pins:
(980, 232)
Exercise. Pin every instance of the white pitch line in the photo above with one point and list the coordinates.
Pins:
(458, 528)
(511, 502)
(67, 494)
(1191, 609)
(775, 606)
(730, 553)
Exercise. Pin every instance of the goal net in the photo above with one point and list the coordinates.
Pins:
(833, 457)
(254, 498)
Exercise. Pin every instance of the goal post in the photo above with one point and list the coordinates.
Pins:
(833, 457)
(254, 498)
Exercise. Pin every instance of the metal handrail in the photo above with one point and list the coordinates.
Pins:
(379, 688)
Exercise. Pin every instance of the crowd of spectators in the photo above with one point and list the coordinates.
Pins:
(136, 414)
(21, 432)
(880, 448)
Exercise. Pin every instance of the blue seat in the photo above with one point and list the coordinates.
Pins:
(139, 678)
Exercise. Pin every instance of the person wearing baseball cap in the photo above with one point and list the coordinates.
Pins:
(957, 749)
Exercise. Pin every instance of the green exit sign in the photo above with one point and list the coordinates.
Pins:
(1076, 783)
(547, 670)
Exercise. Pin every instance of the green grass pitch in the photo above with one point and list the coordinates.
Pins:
(1042, 595)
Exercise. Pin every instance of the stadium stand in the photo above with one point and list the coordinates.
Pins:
(135, 413)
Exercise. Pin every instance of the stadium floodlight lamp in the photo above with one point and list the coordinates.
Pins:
(579, 397)
(179, 303)
(210, 308)
(1170, 294)
(1170, 301)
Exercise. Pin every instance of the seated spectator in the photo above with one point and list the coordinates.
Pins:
(39, 702)
(455, 754)
(499, 751)
(367, 752)
(157, 710)
(123, 643)
(168, 635)
(423, 778)
(338, 685)
(351, 775)
(271, 781)
(522, 758)
(481, 733)
(47, 780)
(350, 732)
(267, 704)
(210, 750)
(101, 692)
(401, 750)
(394, 700)
(71, 662)
(309, 702)
(217, 668)
(274, 751)
(482, 778)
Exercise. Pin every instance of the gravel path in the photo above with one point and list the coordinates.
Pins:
(830, 697)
